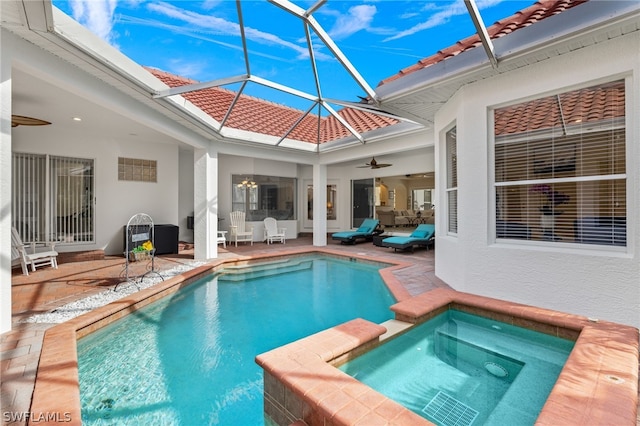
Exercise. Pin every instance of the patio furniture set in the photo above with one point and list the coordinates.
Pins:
(369, 230)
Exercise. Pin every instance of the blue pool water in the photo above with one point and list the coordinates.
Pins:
(461, 369)
(189, 358)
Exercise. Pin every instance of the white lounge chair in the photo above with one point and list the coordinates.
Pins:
(272, 232)
(20, 255)
(239, 230)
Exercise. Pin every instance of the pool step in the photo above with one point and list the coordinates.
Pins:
(448, 411)
(248, 272)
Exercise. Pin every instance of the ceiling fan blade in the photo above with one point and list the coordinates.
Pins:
(374, 164)
(21, 120)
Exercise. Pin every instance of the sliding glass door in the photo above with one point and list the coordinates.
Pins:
(362, 200)
(52, 198)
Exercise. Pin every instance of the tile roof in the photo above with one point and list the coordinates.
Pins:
(588, 105)
(540, 10)
(265, 117)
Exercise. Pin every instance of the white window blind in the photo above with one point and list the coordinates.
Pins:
(452, 181)
(560, 169)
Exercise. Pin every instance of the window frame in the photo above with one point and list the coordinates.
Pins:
(62, 184)
(451, 181)
(257, 199)
(615, 126)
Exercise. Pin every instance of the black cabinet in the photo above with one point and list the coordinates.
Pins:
(165, 239)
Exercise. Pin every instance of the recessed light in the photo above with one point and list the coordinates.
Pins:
(77, 119)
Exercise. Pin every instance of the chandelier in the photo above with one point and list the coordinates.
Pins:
(246, 183)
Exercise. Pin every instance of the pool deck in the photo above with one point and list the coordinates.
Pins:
(47, 289)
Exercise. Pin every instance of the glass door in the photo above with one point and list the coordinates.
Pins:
(362, 200)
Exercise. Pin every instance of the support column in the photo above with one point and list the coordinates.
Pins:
(205, 200)
(319, 205)
(5, 184)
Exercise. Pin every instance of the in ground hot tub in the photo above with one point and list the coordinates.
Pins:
(463, 369)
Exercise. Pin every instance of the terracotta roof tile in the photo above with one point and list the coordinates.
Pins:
(262, 116)
(588, 105)
(269, 118)
(540, 10)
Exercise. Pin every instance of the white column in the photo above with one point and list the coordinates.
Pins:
(205, 200)
(319, 205)
(5, 183)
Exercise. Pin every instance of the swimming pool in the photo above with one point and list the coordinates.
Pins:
(462, 369)
(189, 358)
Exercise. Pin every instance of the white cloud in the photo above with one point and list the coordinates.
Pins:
(215, 25)
(180, 67)
(440, 15)
(358, 18)
(96, 15)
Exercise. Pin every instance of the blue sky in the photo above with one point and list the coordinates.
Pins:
(201, 39)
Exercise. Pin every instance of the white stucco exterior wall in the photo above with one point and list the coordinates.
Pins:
(185, 193)
(5, 183)
(205, 177)
(115, 201)
(596, 282)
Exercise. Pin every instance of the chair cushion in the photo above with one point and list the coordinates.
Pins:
(419, 234)
(363, 229)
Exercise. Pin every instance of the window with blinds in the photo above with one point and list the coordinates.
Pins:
(52, 198)
(560, 170)
(452, 181)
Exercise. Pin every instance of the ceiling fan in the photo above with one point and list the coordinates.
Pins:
(374, 164)
(21, 120)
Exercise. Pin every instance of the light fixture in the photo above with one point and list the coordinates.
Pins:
(246, 183)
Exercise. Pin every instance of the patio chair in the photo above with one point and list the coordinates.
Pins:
(272, 232)
(222, 238)
(421, 236)
(365, 232)
(239, 230)
(20, 255)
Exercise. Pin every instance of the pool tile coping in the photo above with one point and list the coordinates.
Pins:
(56, 390)
(598, 384)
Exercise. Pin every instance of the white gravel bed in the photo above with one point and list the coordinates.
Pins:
(79, 307)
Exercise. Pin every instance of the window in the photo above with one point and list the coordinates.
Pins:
(52, 198)
(452, 181)
(138, 170)
(421, 199)
(264, 196)
(560, 170)
(331, 202)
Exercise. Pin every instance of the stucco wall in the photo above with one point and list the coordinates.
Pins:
(116, 201)
(5, 182)
(596, 282)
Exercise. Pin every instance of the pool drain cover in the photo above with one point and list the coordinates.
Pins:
(448, 411)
